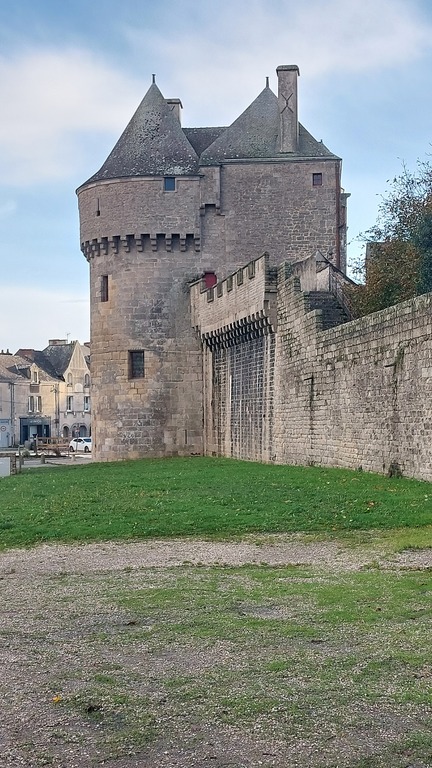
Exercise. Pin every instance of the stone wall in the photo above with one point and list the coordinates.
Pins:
(147, 310)
(357, 395)
(236, 320)
(122, 207)
(274, 207)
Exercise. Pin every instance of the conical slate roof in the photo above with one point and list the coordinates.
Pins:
(153, 143)
(254, 135)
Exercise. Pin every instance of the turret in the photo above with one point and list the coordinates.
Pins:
(140, 232)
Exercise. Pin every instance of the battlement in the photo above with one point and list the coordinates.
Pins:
(245, 302)
(150, 242)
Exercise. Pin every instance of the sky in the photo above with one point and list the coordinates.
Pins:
(72, 74)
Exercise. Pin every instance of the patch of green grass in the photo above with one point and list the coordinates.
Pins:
(333, 664)
(126, 720)
(204, 497)
(293, 654)
(263, 601)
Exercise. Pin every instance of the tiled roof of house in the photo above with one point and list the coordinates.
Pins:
(41, 360)
(57, 357)
(153, 143)
(13, 368)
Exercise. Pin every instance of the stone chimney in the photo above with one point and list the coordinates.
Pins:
(176, 107)
(288, 111)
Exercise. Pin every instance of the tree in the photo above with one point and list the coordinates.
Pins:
(398, 263)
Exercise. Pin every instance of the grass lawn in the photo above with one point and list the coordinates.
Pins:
(203, 497)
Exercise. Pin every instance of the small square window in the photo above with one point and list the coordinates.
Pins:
(317, 179)
(169, 184)
(136, 364)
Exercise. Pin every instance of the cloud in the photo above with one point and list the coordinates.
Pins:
(58, 103)
(245, 41)
(30, 328)
(53, 98)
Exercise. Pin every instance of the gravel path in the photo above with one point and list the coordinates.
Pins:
(60, 631)
(270, 550)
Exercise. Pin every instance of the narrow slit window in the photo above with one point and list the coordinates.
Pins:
(136, 364)
(169, 184)
(104, 288)
(317, 179)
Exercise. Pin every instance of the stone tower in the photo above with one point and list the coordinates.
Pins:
(171, 205)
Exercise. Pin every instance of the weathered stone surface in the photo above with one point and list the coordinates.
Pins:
(355, 395)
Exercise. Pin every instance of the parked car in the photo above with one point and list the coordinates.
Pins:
(80, 444)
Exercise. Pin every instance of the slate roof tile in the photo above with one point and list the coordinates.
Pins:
(152, 143)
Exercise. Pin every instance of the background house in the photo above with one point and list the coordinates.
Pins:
(44, 393)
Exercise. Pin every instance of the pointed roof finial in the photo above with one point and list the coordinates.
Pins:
(153, 79)
(267, 82)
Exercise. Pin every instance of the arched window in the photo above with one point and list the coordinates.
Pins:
(69, 379)
(83, 430)
(65, 431)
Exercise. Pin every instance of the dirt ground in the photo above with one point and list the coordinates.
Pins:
(88, 679)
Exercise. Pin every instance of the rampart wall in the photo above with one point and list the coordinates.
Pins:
(236, 321)
(356, 395)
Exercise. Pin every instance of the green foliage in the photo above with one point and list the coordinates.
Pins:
(422, 241)
(203, 497)
(398, 262)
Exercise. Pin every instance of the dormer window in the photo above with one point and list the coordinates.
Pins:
(35, 377)
(169, 184)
